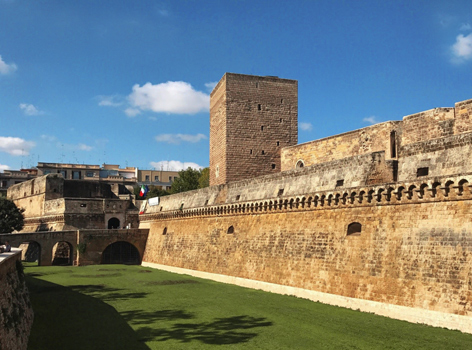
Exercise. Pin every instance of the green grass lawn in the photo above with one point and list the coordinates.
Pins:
(132, 307)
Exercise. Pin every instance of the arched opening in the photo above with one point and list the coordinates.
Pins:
(62, 254)
(121, 253)
(354, 229)
(300, 164)
(31, 252)
(164, 232)
(113, 223)
(230, 230)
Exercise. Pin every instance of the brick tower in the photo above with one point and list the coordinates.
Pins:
(251, 119)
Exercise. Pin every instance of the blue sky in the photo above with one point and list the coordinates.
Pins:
(127, 82)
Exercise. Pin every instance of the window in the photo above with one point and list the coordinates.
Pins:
(354, 229)
(300, 164)
(393, 146)
(170, 178)
(263, 152)
(281, 192)
(63, 172)
(206, 202)
(4, 183)
(83, 205)
(147, 177)
(262, 128)
(278, 143)
(89, 174)
(282, 101)
(340, 183)
(422, 172)
(156, 178)
(164, 232)
(76, 175)
(230, 230)
(250, 151)
(238, 197)
(259, 107)
(257, 85)
(273, 166)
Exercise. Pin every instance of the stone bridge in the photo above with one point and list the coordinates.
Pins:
(80, 247)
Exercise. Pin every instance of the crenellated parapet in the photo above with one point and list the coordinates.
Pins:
(415, 192)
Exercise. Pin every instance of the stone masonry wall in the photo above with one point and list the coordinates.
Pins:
(16, 312)
(414, 248)
(358, 142)
(255, 119)
(355, 171)
(427, 125)
(443, 156)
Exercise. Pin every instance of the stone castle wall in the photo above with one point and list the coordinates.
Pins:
(16, 312)
(374, 138)
(251, 120)
(414, 248)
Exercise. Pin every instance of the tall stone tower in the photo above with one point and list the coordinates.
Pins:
(251, 119)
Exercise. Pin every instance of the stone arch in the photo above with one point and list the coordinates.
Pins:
(463, 186)
(113, 223)
(300, 164)
(354, 229)
(30, 251)
(121, 252)
(62, 253)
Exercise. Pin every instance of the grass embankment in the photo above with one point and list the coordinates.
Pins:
(131, 307)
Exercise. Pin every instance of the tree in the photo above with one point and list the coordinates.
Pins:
(204, 179)
(187, 181)
(11, 217)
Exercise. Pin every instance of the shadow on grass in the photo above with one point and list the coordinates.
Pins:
(105, 293)
(66, 319)
(228, 330)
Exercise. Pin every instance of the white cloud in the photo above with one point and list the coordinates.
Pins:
(6, 68)
(465, 27)
(110, 101)
(210, 86)
(29, 109)
(49, 138)
(84, 147)
(173, 97)
(15, 146)
(305, 126)
(132, 112)
(371, 120)
(174, 165)
(178, 138)
(462, 49)
(3, 167)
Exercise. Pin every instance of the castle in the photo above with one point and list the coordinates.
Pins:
(377, 219)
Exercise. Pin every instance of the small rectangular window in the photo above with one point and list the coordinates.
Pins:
(250, 151)
(206, 202)
(281, 100)
(89, 174)
(263, 152)
(273, 166)
(262, 128)
(281, 192)
(237, 197)
(156, 178)
(340, 183)
(147, 177)
(422, 172)
(83, 205)
(170, 178)
(259, 107)
(278, 143)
